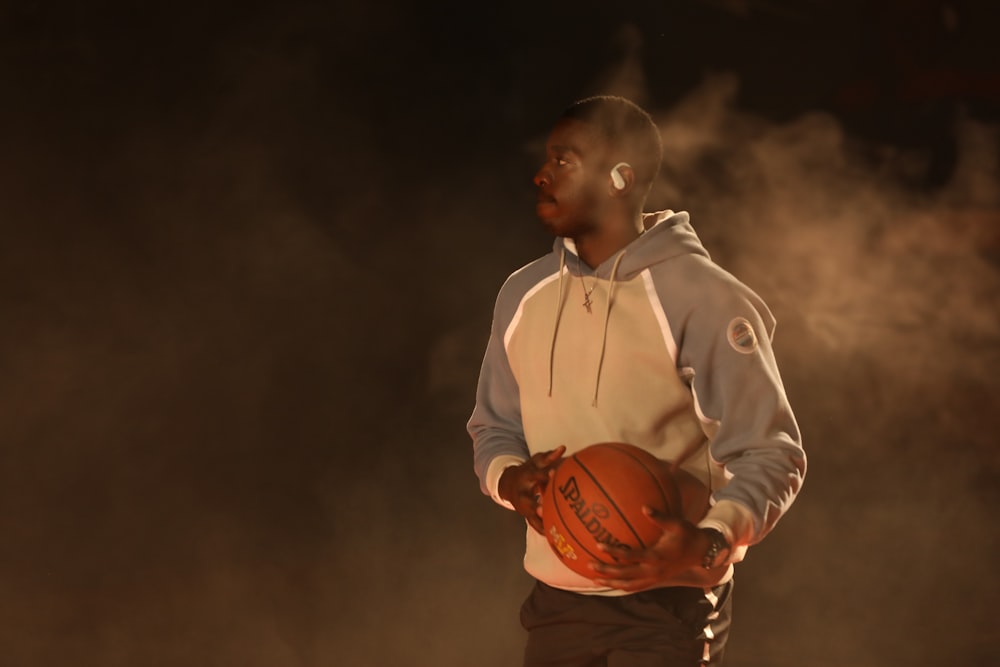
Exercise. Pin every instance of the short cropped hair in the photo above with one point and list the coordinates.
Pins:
(625, 127)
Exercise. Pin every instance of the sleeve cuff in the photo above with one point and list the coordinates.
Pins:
(493, 472)
(735, 522)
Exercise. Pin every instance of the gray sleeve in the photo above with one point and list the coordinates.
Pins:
(726, 341)
(495, 425)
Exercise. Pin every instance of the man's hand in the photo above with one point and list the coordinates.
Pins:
(682, 546)
(522, 485)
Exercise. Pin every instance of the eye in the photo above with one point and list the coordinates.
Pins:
(562, 162)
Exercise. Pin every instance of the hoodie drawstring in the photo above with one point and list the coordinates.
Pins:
(555, 325)
(607, 318)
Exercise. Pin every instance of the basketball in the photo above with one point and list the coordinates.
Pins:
(597, 495)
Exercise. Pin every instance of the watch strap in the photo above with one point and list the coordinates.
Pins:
(718, 549)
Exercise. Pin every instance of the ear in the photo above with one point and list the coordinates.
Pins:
(622, 178)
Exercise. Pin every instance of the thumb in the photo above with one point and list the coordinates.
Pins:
(659, 517)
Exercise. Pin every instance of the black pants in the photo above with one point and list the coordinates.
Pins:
(665, 627)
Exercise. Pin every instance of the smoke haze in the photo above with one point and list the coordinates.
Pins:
(247, 276)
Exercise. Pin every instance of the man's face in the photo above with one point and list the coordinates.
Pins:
(572, 183)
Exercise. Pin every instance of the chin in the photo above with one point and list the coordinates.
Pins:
(545, 217)
(552, 226)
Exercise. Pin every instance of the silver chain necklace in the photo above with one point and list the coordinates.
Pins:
(587, 303)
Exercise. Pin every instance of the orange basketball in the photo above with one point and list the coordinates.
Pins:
(597, 495)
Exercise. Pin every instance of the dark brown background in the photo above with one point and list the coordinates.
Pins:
(247, 264)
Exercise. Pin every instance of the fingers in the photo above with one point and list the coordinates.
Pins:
(660, 518)
(536, 471)
(528, 505)
(532, 516)
(624, 558)
(542, 461)
(626, 577)
(553, 455)
(528, 482)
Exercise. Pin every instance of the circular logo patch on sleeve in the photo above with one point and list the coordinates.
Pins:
(741, 336)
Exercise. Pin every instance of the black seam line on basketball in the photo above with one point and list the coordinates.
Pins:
(612, 501)
(566, 527)
(674, 503)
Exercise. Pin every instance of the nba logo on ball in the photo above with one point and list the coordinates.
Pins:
(596, 497)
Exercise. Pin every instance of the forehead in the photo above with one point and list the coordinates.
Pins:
(575, 135)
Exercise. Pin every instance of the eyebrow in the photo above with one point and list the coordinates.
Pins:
(566, 148)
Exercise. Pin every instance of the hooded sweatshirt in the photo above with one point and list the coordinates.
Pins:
(673, 355)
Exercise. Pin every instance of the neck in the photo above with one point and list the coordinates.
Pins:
(596, 246)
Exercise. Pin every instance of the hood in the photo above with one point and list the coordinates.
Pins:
(668, 234)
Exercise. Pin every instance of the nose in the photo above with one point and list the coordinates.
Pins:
(542, 177)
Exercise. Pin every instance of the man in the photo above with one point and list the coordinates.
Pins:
(627, 332)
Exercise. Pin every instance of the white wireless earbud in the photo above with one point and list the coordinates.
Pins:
(616, 176)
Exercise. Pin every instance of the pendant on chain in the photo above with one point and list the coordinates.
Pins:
(587, 303)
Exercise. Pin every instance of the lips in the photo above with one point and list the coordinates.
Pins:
(546, 205)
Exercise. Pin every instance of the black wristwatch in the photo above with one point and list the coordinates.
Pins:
(718, 549)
